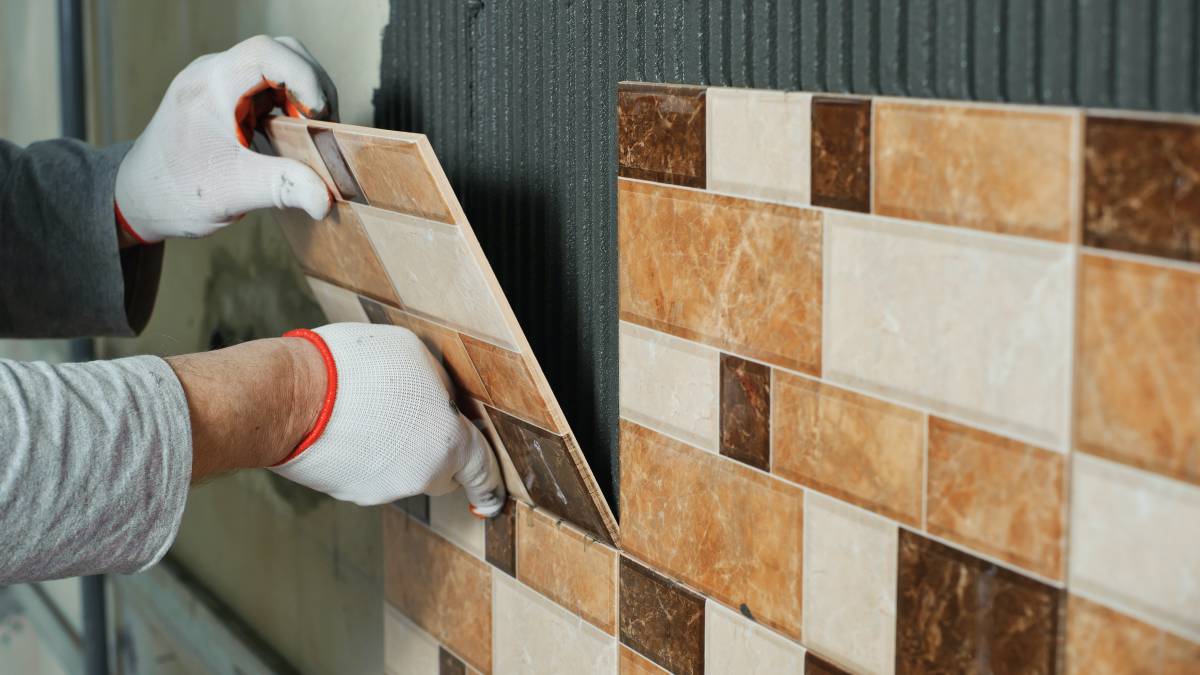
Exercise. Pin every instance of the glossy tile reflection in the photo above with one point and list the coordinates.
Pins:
(841, 153)
(661, 619)
(661, 133)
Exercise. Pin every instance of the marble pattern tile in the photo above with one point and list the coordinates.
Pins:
(758, 143)
(336, 248)
(670, 385)
(1137, 378)
(746, 411)
(734, 644)
(450, 516)
(854, 447)
(706, 267)
(435, 275)
(841, 153)
(849, 584)
(407, 650)
(345, 185)
(337, 303)
(568, 567)
(440, 587)
(661, 133)
(971, 326)
(510, 383)
(534, 635)
(1135, 543)
(721, 527)
(630, 662)
(661, 619)
(500, 539)
(1102, 641)
(957, 613)
(394, 175)
(1141, 186)
(449, 664)
(1012, 171)
(998, 496)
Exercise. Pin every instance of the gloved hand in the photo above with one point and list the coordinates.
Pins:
(389, 427)
(191, 172)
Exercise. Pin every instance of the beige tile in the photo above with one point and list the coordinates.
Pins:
(435, 274)
(734, 644)
(450, 516)
(534, 635)
(407, 649)
(758, 143)
(670, 385)
(1135, 543)
(338, 303)
(970, 325)
(849, 584)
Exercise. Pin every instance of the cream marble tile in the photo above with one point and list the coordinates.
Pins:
(407, 649)
(435, 275)
(971, 325)
(450, 517)
(734, 644)
(670, 385)
(1135, 543)
(534, 635)
(338, 303)
(849, 584)
(758, 143)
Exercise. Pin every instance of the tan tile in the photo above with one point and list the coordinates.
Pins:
(446, 345)
(394, 175)
(567, 566)
(707, 267)
(510, 383)
(1137, 395)
(443, 589)
(851, 446)
(336, 248)
(337, 303)
(758, 143)
(720, 526)
(997, 496)
(1102, 641)
(534, 635)
(633, 663)
(994, 169)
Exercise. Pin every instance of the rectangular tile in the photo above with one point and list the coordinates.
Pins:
(1137, 379)
(734, 644)
(395, 174)
(1141, 188)
(1006, 170)
(957, 613)
(568, 567)
(661, 619)
(758, 143)
(998, 496)
(500, 539)
(719, 526)
(630, 662)
(407, 649)
(707, 267)
(534, 635)
(1102, 640)
(841, 153)
(336, 302)
(853, 447)
(661, 133)
(443, 589)
(669, 384)
(450, 516)
(336, 248)
(345, 186)
(746, 411)
(510, 383)
(849, 584)
(969, 325)
(1135, 542)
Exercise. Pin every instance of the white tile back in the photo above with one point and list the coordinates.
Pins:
(534, 635)
(734, 644)
(407, 649)
(338, 303)
(759, 143)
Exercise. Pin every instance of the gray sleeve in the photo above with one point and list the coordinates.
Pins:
(61, 272)
(95, 462)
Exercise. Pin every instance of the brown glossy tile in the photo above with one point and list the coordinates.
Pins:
(509, 382)
(1013, 171)
(500, 539)
(815, 665)
(394, 175)
(1137, 375)
(345, 186)
(630, 662)
(721, 527)
(568, 567)
(997, 495)
(443, 589)
(449, 664)
(1142, 187)
(550, 475)
(1102, 641)
(706, 267)
(661, 619)
(841, 153)
(416, 506)
(336, 249)
(661, 133)
(746, 411)
(854, 447)
(957, 613)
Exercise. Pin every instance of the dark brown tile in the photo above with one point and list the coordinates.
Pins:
(500, 539)
(416, 506)
(815, 665)
(335, 164)
(956, 613)
(841, 153)
(661, 619)
(549, 473)
(661, 133)
(746, 411)
(1142, 187)
(449, 664)
(375, 311)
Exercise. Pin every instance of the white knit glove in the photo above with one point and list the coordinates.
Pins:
(393, 430)
(191, 172)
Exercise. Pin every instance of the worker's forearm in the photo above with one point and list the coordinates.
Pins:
(251, 404)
